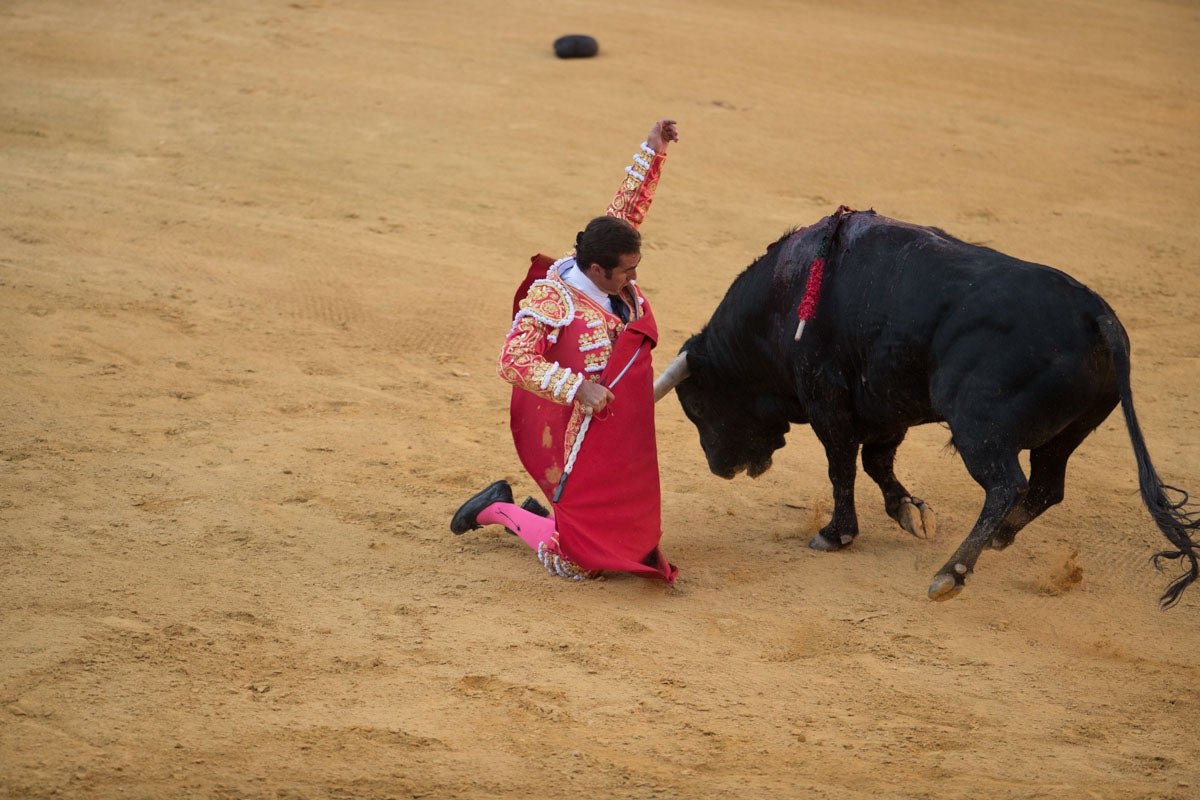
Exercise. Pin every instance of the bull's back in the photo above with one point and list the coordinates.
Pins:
(943, 329)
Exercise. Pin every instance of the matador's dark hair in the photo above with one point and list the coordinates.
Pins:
(604, 241)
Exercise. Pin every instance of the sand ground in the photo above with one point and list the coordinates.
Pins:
(256, 261)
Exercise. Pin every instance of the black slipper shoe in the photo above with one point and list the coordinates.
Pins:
(534, 506)
(465, 518)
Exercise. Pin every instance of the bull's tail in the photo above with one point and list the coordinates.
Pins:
(1171, 517)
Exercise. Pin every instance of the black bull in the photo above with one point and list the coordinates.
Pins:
(914, 326)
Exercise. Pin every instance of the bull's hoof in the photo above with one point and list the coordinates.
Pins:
(917, 517)
(826, 545)
(945, 586)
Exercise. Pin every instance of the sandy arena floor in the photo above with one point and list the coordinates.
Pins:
(256, 260)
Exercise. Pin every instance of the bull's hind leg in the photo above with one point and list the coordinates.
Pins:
(1047, 478)
(1047, 481)
(911, 513)
(1005, 484)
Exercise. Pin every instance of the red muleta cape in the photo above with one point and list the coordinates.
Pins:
(609, 516)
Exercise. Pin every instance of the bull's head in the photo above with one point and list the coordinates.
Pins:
(738, 430)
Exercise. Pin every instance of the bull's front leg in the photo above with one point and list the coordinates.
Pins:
(842, 455)
(911, 513)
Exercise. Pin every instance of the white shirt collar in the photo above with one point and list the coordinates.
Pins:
(571, 274)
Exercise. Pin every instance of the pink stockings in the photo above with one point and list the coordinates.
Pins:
(533, 529)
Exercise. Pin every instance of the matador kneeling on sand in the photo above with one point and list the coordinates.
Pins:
(582, 410)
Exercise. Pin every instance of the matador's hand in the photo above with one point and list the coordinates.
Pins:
(594, 396)
(664, 131)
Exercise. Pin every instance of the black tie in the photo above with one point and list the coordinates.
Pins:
(618, 306)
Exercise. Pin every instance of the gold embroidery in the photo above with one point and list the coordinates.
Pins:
(521, 362)
(556, 564)
(634, 196)
(546, 308)
(548, 301)
(593, 337)
(595, 362)
(572, 431)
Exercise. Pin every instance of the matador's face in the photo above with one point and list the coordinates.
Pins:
(622, 274)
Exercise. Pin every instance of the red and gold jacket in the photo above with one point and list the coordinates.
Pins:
(560, 337)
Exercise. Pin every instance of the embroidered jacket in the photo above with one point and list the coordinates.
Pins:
(560, 337)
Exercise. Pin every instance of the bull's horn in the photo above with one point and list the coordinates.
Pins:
(675, 372)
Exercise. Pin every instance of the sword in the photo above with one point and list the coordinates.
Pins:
(587, 420)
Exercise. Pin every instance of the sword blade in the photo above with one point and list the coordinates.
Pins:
(562, 482)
